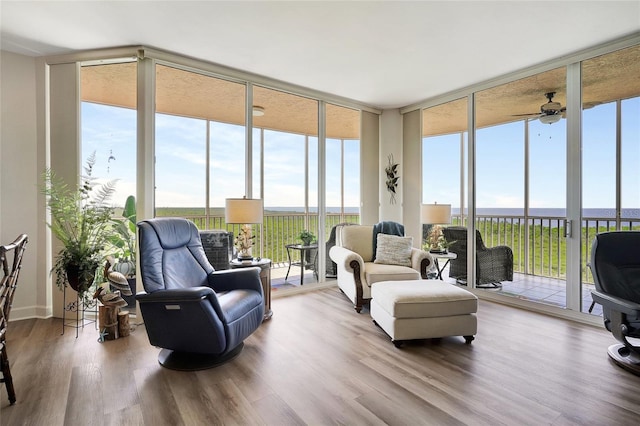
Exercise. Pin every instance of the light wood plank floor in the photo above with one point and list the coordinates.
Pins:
(318, 362)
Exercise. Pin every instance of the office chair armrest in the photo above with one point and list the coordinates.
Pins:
(193, 294)
(625, 306)
(234, 279)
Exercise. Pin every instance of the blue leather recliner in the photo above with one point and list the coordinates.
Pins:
(200, 317)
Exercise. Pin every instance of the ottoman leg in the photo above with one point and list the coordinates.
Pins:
(468, 339)
(398, 343)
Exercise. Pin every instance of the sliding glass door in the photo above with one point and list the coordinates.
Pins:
(610, 151)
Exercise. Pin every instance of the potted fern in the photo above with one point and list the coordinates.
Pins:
(81, 220)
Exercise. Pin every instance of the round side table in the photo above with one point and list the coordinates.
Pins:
(265, 277)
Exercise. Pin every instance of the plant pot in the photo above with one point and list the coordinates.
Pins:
(307, 242)
(79, 280)
(125, 267)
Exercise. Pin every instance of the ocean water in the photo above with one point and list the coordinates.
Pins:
(633, 214)
(629, 214)
(556, 214)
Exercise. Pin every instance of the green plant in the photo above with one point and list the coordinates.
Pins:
(123, 240)
(81, 220)
(307, 237)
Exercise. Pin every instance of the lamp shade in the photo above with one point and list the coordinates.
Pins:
(436, 213)
(243, 210)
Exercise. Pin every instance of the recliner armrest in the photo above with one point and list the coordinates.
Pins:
(192, 294)
(612, 302)
(234, 279)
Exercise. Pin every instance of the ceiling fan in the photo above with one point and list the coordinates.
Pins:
(550, 113)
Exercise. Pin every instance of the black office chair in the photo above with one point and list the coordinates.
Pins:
(199, 316)
(10, 264)
(615, 265)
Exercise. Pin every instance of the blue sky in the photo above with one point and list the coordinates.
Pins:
(181, 160)
(500, 162)
(181, 143)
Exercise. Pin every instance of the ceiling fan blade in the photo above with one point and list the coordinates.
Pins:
(526, 115)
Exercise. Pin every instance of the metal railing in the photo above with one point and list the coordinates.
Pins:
(537, 242)
(277, 230)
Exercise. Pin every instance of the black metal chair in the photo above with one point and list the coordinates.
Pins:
(493, 264)
(200, 317)
(615, 265)
(11, 266)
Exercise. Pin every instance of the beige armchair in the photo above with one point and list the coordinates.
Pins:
(358, 266)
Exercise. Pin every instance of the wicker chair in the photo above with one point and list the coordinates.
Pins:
(493, 264)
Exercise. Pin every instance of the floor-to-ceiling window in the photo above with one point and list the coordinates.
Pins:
(108, 124)
(611, 149)
(199, 145)
(444, 156)
(202, 153)
(525, 171)
(342, 165)
(109, 135)
(285, 141)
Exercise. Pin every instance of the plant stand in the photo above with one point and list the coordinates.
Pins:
(80, 307)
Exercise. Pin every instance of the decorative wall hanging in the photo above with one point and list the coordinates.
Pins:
(392, 178)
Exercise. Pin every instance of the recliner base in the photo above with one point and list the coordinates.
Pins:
(625, 358)
(188, 361)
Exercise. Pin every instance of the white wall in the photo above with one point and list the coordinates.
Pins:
(370, 169)
(412, 167)
(19, 179)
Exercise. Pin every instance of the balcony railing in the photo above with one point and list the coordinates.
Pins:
(538, 243)
(277, 230)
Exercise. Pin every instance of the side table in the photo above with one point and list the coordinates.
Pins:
(265, 277)
(448, 257)
(312, 250)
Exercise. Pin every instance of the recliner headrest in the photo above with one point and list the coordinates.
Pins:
(173, 232)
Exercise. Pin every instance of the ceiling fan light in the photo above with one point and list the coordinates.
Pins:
(258, 111)
(550, 119)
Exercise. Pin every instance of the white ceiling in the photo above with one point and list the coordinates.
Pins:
(386, 54)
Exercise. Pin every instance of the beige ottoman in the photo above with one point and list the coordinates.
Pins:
(423, 309)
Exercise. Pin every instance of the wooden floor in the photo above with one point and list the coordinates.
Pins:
(318, 362)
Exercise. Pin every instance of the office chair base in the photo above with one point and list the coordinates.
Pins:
(625, 358)
(187, 361)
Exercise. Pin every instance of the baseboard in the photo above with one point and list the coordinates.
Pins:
(30, 312)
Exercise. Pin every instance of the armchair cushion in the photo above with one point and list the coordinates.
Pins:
(376, 272)
(393, 250)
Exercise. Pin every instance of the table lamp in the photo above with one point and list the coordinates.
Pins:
(436, 214)
(244, 211)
